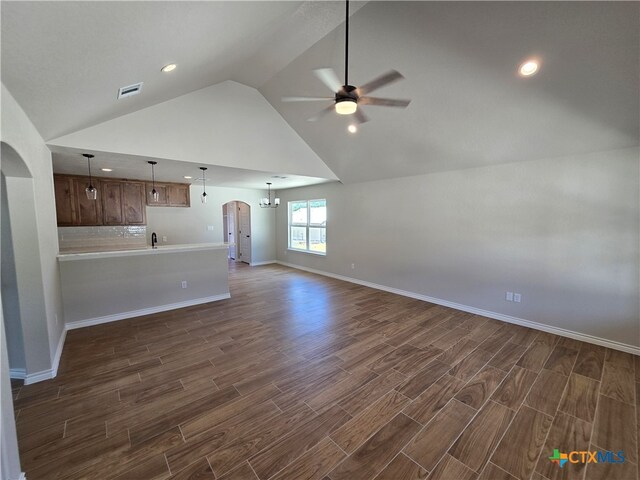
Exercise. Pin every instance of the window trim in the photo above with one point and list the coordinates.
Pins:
(306, 226)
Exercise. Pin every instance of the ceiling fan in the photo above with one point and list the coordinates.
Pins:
(347, 97)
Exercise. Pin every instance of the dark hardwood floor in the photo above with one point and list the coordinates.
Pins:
(299, 376)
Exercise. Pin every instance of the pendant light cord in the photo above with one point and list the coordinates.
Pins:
(89, 164)
(346, 49)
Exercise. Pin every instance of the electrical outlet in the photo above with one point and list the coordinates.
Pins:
(210, 228)
(509, 297)
(353, 266)
(164, 238)
(184, 284)
(517, 297)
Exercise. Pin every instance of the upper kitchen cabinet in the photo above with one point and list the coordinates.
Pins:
(88, 212)
(110, 194)
(123, 202)
(120, 202)
(133, 204)
(73, 208)
(65, 204)
(169, 195)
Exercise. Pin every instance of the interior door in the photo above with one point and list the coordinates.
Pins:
(244, 231)
(231, 229)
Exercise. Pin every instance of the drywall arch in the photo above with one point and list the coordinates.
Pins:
(24, 305)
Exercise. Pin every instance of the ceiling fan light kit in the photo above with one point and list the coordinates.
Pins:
(346, 106)
(346, 97)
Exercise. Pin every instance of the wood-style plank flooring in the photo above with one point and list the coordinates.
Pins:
(299, 376)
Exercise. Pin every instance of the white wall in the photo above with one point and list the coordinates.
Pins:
(9, 455)
(563, 232)
(96, 290)
(21, 137)
(190, 225)
(9, 290)
(226, 124)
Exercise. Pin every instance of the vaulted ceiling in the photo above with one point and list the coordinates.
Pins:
(64, 61)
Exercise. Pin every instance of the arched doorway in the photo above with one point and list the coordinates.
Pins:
(22, 290)
(236, 217)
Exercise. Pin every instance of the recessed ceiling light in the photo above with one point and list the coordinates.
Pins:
(352, 128)
(107, 169)
(169, 68)
(528, 68)
(187, 177)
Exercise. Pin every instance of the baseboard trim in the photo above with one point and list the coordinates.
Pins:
(21, 374)
(56, 358)
(257, 264)
(17, 373)
(144, 311)
(583, 337)
(39, 376)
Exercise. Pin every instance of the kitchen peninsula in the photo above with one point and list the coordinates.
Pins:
(100, 287)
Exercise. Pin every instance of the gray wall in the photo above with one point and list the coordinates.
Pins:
(562, 232)
(26, 162)
(9, 455)
(190, 225)
(9, 290)
(93, 288)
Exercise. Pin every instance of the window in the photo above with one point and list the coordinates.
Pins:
(308, 226)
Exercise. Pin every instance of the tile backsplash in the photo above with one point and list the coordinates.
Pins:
(73, 239)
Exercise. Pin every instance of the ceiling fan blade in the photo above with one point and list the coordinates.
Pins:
(381, 81)
(329, 78)
(321, 114)
(361, 117)
(306, 99)
(383, 102)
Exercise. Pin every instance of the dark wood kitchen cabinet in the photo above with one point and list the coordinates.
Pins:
(73, 208)
(88, 212)
(123, 202)
(133, 203)
(169, 195)
(65, 204)
(119, 202)
(110, 194)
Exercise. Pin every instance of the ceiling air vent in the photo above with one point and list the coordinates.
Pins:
(130, 90)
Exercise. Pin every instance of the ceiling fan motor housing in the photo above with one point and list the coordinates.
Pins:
(347, 93)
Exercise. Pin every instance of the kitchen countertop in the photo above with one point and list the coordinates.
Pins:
(192, 247)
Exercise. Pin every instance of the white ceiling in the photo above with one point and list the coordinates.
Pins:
(64, 61)
(469, 106)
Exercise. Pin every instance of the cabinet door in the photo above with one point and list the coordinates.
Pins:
(88, 212)
(179, 195)
(163, 198)
(111, 202)
(65, 204)
(133, 195)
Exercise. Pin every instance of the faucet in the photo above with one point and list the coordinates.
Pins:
(154, 240)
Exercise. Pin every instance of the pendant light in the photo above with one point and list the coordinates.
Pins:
(154, 193)
(91, 191)
(203, 197)
(266, 202)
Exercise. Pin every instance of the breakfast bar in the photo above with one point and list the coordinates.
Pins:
(100, 287)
